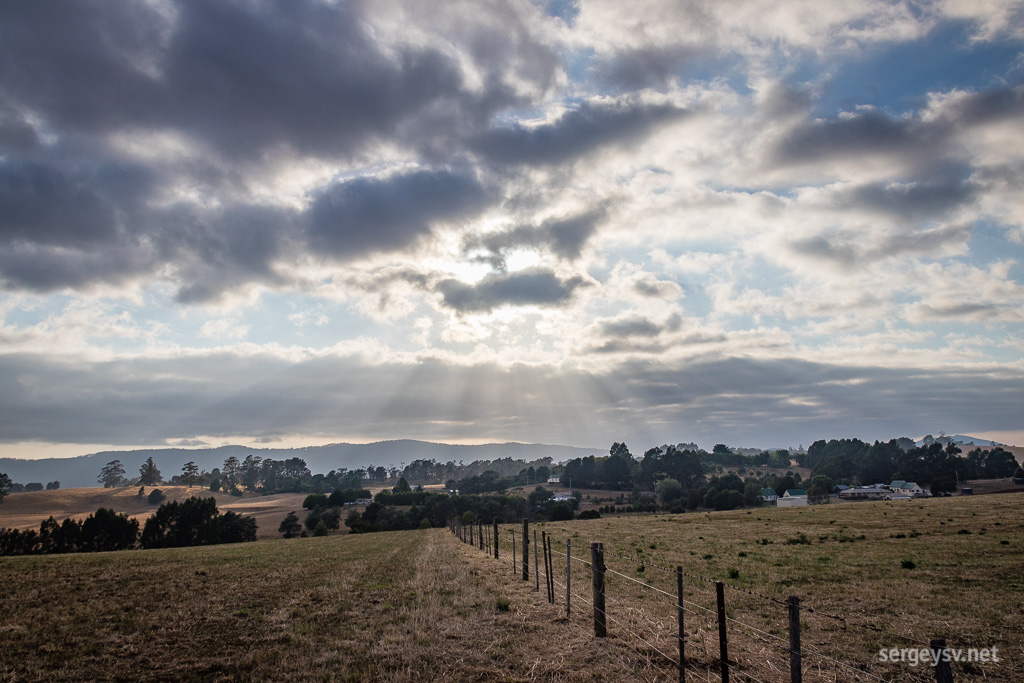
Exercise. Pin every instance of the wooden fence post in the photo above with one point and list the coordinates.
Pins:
(723, 647)
(551, 575)
(547, 569)
(513, 551)
(471, 533)
(481, 529)
(536, 574)
(795, 668)
(943, 671)
(568, 576)
(526, 549)
(496, 539)
(679, 607)
(597, 572)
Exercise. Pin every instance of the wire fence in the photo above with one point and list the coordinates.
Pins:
(680, 626)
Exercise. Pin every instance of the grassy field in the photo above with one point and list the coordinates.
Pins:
(876, 575)
(422, 606)
(27, 510)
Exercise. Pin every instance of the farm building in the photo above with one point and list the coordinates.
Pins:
(908, 488)
(769, 495)
(792, 498)
(864, 493)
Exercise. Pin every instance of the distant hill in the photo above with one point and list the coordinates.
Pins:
(83, 470)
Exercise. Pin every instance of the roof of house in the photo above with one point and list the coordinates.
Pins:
(768, 492)
(794, 493)
(900, 484)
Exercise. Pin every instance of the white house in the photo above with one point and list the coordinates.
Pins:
(769, 495)
(792, 498)
(562, 496)
(908, 488)
(554, 480)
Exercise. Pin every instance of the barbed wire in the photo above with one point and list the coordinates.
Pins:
(645, 562)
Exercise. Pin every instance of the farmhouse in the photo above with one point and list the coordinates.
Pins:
(876, 492)
(562, 496)
(792, 498)
(908, 488)
(768, 496)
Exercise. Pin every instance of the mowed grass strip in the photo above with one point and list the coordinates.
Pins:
(391, 606)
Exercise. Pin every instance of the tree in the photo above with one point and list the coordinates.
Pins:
(230, 472)
(52, 486)
(156, 496)
(34, 486)
(148, 473)
(189, 474)
(5, 485)
(290, 527)
(943, 486)
(112, 474)
(669, 491)
(402, 486)
(250, 471)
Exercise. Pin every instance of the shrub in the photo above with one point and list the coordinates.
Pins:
(734, 573)
(156, 496)
(908, 564)
(589, 514)
(502, 604)
(290, 526)
(321, 529)
(215, 485)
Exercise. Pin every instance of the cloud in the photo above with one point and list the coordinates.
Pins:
(531, 287)
(574, 134)
(360, 216)
(565, 236)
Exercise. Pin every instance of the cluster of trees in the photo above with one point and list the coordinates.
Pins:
(7, 486)
(194, 521)
(102, 531)
(854, 461)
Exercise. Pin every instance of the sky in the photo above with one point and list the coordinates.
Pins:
(757, 223)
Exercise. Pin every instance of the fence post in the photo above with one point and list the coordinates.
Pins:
(547, 570)
(723, 647)
(551, 573)
(471, 534)
(496, 539)
(568, 575)
(795, 670)
(597, 572)
(513, 551)
(526, 549)
(943, 671)
(480, 528)
(536, 574)
(679, 607)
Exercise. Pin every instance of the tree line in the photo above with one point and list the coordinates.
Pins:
(193, 521)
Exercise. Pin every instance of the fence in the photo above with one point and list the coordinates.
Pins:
(680, 624)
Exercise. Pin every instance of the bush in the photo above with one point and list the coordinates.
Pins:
(290, 527)
(589, 514)
(908, 564)
(561, 513)
(156, 497)
(321, 529)
(215, 485)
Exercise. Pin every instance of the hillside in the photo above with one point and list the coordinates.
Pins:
(83, 470)
(27, 510)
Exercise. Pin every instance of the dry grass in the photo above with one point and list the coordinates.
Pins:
(397, 606)
(27, 510)
(964, 587)
(422, 606)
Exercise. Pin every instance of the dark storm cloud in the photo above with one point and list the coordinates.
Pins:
(534, 286)
(564, 236)
(638, 326)
(575, 134)
(363, 215)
